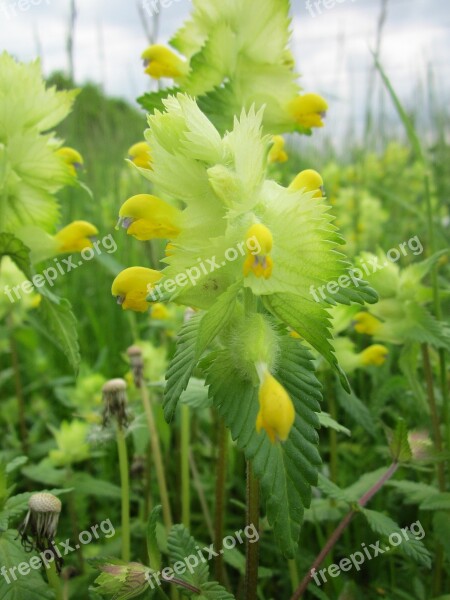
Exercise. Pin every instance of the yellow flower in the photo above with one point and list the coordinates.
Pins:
(76, 236)
(132, 286)
(147, 217)
(159, 62)
(72, 158)
(308, 110)
(310, 181)
(374, 355)
(276, 410)
(277, 152)
(366, 323)
(160, 312)
(140, 155)
(258, 260)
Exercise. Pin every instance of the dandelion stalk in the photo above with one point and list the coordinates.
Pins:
(18, 386)
(157, 457)
(252, 549)
(219, 518)
(54, 581)
(137, 366)
(185, 475)
(125, 491)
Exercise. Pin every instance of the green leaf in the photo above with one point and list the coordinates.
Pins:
(439, 501)
(358, 411)
(385, 526)
(327, 421)
(58, 315)
(217, 317)
(154, 554)
(331, 490)
(286, 470)
(398, 443)
(182, 365)
(29, 587)
(154, 100)
(311, 320)
(183, 546)
(413, 491)
(196, 394)
(17, 251)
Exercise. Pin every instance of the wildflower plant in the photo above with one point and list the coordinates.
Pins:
(232, 56)
(260, 379)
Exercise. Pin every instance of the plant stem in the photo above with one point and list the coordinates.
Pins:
(125, 490)
(332, 435)
(18, 385)
(185, 478)
(340, 529)
(252, 549)
(54, 580)
(74, 518)
(434, 414)
(201, 494)
(293, 573)
(157, 457)
(219, 516)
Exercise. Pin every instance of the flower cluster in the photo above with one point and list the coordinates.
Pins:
(231, 56)
(215, 196)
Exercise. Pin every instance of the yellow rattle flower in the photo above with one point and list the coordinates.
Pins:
(132, 286)
(276, 410)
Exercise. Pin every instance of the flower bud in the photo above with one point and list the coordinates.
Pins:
(136, 364)
(115, 401)
(276, 410)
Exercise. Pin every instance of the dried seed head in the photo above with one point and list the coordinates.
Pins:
(39, 527)
(44, 502)
(115, 401)
(136, 364)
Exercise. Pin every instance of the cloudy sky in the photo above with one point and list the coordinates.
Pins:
(332, 46)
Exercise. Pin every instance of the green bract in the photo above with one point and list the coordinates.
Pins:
(221, 184)
(237, 54)
(30, 171)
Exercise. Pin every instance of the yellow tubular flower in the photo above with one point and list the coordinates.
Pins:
(308, 110)
(76, 236)
(147, 217)
(277, 153)
(259, 242)
(132, 286)
(309, 180)
(140, 155)
(366, 323)
(374, 355)
(160, 312)
(276, 410)
(160, 61)
(72, 158)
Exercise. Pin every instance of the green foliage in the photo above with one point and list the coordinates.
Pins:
(30, 586)
(286, 471)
